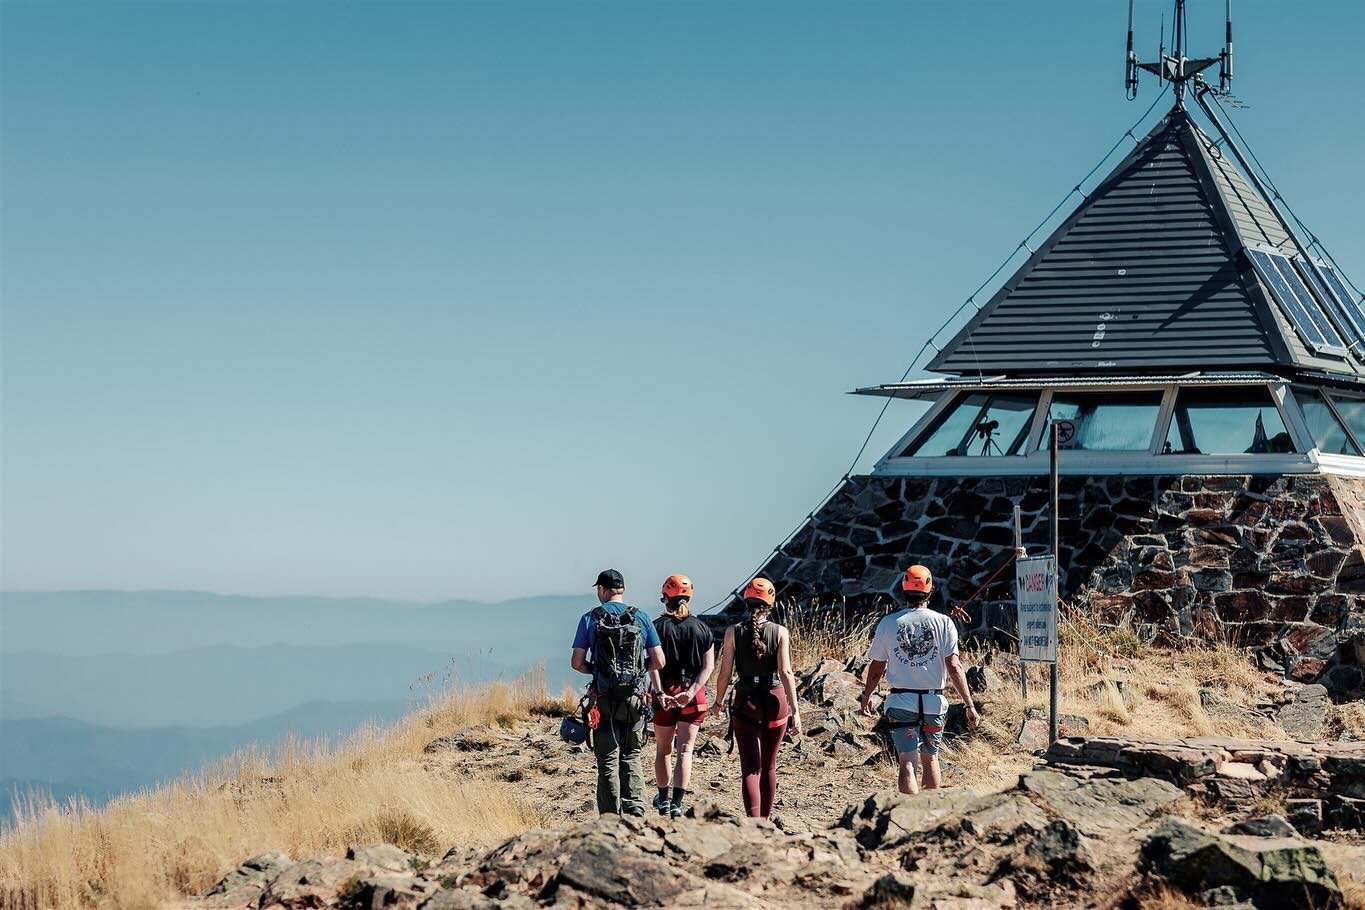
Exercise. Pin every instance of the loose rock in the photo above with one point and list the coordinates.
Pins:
(1268, 872)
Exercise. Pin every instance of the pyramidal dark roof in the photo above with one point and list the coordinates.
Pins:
(1150, 273)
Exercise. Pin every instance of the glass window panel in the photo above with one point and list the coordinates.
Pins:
(1352, 410)
(1108, 421)
(980, 424)
(1328, 434)
(1226, 421)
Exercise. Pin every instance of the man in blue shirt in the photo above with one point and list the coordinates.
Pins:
(620, 737)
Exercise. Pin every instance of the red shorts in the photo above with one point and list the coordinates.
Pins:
(694, 713)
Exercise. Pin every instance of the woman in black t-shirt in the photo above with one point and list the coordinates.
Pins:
(688, 660)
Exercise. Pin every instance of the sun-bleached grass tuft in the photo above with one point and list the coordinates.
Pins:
(146, 849)
(1348, 718)
(818, 635)
(1118, 683)
(1121, 687)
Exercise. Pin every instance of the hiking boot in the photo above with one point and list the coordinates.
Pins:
(661, 804)
(675, 810)
(636, 812)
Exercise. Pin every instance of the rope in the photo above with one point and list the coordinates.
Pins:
(931, 342)
(960, 611)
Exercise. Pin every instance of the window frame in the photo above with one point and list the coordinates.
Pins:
(1326, 396)
(1296, 427)
(1152, 443)
(1331, 396)
(944, 409)
(1032, 460)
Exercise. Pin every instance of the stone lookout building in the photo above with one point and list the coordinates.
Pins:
(1206, 363)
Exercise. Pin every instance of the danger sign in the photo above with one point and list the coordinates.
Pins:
(1036, 592)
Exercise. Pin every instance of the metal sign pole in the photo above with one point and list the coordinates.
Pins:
(1056, 555)
(1019, 542)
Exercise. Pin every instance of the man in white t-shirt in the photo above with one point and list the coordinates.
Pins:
(916, 650)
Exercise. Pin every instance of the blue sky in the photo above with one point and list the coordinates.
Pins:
(444, 299)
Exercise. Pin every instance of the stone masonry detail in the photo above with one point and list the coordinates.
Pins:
(1269, 562)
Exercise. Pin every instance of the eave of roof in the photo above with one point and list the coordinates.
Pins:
(924, 388)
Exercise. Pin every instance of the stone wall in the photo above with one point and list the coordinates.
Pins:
(1274, 563)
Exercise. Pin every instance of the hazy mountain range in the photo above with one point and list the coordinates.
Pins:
(65, 758)
(106, 691)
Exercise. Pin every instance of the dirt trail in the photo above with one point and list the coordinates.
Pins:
(818, 775)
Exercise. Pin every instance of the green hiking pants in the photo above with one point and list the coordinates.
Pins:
(618, 741)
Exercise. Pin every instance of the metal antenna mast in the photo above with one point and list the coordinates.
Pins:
(1176, 68)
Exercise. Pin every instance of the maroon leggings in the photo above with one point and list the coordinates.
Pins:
(758, 741)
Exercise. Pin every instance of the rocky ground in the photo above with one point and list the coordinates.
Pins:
(1093, 822)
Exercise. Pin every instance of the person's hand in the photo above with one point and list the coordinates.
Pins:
(1020, 553)
(866, 705)
(667, 702)
(794, 724)
(973, 719)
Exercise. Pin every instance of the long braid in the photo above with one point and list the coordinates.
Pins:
(752, 625)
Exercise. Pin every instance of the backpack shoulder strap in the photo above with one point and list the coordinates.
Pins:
(598, 612)
(628, 614)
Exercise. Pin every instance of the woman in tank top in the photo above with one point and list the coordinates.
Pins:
(758, 653)
(689, 657)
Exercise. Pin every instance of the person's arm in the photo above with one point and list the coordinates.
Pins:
(656, 663)
(708, 664)
(878, 654)
(654, 653)
(784, 669)
(727, 667)
(579, 660)
(875, 671)
(581, 640)
(959, 681)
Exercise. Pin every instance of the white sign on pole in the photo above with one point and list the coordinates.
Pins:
(1035, 584)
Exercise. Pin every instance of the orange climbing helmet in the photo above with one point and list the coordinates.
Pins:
(677, 586)
(761, 589)
(918, 578)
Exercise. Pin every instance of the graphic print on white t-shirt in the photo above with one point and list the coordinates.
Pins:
(915, 646)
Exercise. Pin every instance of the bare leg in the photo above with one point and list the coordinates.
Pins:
(931, 770)
(907, 781)
(663, 751)
(682, 762)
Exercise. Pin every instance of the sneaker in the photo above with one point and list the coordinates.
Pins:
(675, 810)
(661, 804)
(636, 812)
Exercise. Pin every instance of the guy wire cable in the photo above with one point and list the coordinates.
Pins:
(971, 300)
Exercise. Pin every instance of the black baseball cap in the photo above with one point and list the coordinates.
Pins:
(610, 578)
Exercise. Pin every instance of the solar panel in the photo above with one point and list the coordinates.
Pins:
(1348, 318)
(1349, 302)
(1310, 304)
(1298, 304)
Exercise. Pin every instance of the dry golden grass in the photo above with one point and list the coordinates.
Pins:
(1349, 718)
(1119, 684)
(1353, 894)
(146, 849)
(1122, 688)
(824, 634)
(1165, 898)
